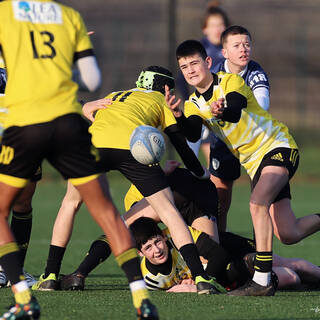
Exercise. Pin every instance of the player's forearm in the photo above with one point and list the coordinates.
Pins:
(191, 127)
(187, 155)
(235, 103)
(262, 96)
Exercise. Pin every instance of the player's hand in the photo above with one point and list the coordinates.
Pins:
(217, 108)
(183, 288)
(170, 166)
(91, 107)
(91, 33)
(187, 281)
(172, 103)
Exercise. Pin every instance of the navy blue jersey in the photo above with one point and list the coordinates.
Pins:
(213, 51)
(254, 76)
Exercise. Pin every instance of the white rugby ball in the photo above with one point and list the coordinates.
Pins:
(147, 145)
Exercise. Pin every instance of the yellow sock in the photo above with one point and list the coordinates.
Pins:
(129, 262)
(138, 295)
(23, 297)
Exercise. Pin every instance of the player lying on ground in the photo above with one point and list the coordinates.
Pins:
(163, 268)
(263, 145)
(111, 131)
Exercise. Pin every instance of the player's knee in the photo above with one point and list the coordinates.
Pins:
(257, 207)
(22, 205)
(4, 212)
(288, 238)
(288, 278)
(71, 205)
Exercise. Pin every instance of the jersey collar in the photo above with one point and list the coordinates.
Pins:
(241, 73)
(207, 95)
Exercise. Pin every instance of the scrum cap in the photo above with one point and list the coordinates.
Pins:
(155, 78)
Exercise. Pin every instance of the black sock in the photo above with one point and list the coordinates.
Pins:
(10, 262)
(130, 263)
(98, 252)
(190, 255)
(54, 260)
(263, 261)
(21, 225)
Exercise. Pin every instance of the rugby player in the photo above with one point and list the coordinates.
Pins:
(163, 268)
(263, 145)
(223, 165)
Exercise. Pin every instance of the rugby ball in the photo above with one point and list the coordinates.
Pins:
(147, 145)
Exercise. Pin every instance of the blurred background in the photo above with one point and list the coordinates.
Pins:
(130, 35)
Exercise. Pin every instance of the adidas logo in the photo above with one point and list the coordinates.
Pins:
(277, 156)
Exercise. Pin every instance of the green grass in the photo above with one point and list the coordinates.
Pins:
(107, 295)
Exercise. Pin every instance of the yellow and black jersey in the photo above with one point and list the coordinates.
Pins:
(3, 81)
(132, 196)
(249, 137)
(156, 278)
(113, 126)
(46, 37)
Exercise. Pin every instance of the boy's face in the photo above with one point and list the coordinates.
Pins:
(237, 49)
(156, 250)
(214, 27)
(195, 70)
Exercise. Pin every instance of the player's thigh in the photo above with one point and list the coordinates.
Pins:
(271, 181)
(207, 226)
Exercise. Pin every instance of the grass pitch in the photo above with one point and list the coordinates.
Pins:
(107, 295)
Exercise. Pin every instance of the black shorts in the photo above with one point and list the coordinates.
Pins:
(223, 164)
(237, 246)
(281, 157)
(37, 176)
(193, 197)
(65, 142)
(147, 179)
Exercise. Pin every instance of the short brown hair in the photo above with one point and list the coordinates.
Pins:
(233, 30)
